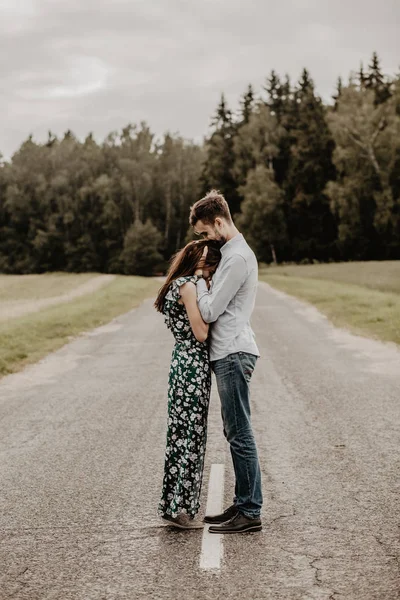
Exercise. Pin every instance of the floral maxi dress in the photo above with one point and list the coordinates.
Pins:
(189, 389)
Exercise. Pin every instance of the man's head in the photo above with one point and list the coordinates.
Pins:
(211, 217)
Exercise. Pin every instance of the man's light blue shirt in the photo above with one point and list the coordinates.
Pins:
(230, 301)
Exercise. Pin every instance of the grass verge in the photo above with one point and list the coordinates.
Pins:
(363, 310)
(375, 275)
(27, 339)
(35, 287)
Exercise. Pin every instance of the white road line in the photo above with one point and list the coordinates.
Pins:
(211, 546)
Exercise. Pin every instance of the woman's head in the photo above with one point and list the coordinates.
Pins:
(186, 261)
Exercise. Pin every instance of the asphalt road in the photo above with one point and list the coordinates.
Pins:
(81, 454)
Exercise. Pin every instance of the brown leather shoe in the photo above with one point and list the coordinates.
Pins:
(223, 517)
(183, 521)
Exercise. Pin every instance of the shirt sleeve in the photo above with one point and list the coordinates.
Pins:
(226, 282)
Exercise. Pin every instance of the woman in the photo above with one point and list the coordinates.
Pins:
(189, 384)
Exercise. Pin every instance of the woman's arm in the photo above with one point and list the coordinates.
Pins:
(189, 299)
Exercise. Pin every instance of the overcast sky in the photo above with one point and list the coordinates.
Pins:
(96, 65)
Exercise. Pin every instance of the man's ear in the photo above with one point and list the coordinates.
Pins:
(218, 222)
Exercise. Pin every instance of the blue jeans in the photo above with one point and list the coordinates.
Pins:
(233, 374)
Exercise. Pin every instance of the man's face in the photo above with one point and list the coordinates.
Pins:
(211, 232)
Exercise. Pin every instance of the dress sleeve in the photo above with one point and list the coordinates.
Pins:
(174, 293)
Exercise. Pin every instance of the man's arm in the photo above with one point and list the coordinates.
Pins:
(228, 279)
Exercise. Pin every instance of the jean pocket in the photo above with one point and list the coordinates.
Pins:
(222, 366)
(248, 363)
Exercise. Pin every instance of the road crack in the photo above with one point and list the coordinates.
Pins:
(312, 560)
(293, 514)
(20, 583)
(388, 551)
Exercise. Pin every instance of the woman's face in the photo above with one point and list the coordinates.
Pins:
(208, 270)
(213, 255)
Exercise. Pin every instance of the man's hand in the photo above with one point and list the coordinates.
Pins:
(202, 262)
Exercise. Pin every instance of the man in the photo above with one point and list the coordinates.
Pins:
(233, 354)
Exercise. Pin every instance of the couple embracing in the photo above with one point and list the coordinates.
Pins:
(207, 301)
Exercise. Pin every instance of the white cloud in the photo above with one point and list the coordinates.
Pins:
(95, 65)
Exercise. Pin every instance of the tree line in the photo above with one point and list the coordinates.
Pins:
(305, 181)
(116, 207)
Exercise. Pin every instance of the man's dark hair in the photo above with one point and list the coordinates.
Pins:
(210, 207)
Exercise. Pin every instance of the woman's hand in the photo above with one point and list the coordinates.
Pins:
(202, 262)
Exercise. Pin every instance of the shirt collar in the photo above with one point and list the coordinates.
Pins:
(230, 243)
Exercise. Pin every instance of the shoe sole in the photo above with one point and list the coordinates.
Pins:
(253, 529)
(178, 526)
(216, 522)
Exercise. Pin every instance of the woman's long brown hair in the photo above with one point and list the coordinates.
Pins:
(184, 263)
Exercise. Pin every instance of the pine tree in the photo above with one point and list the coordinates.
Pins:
(220, 157)
(362, 79)
(243, 156)
(374, 78)
(336, 96)
(256, 143)
(274, 94)
(51, 139)
(311, 225)
(286, 88)
(247, 105)
(279, 101)
(223, 117)
(375, 81)
(306, 84)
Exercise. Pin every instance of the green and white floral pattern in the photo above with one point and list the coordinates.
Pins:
(188, 400)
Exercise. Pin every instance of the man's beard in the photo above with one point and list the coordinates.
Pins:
(220, 239)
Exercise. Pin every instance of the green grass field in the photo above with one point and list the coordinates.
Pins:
(28, 338)
(361, 296)
(35, 287)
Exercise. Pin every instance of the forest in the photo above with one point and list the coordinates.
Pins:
(306, 180)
